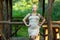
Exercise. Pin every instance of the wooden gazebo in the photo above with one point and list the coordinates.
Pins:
(6, 21)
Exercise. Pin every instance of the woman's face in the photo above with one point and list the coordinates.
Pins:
(34, 8)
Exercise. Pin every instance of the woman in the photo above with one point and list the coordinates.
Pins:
(33, 26)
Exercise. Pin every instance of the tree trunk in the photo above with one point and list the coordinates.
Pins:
(49, 24)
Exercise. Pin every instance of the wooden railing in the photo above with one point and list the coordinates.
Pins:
(8, 22)
(55, 25)
(56, 32)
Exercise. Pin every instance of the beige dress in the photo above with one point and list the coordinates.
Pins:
(34, 27)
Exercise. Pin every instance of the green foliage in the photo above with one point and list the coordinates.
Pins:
(21, 8)
(22, 32)
(56, 11)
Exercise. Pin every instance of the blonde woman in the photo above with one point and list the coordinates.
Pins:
(34, 25)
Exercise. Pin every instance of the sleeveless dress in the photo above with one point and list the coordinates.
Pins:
(34, 27)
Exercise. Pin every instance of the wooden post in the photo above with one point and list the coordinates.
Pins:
(49, 23)
(43, 8)
(10, 16)
(7, 25)
(5, 15)
(41, 4)
(1, 16)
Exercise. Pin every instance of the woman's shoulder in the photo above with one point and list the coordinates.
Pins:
(29, 14)
(39, 14)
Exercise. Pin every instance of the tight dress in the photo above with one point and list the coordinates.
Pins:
(33, 30)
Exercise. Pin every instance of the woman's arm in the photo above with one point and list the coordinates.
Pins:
(43, 19)
(25, 18)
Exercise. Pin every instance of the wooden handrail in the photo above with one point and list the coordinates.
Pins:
(8, 22)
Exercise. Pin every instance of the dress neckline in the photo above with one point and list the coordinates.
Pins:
(34, 15)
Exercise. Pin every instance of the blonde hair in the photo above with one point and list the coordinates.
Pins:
(34, 5)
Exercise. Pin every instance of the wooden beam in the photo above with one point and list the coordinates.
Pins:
(8, 22)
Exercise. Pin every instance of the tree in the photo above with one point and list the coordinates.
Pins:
(49, 23)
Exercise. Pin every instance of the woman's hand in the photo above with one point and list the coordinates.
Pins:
(28, 25)
(39, 24)
(25, 18)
